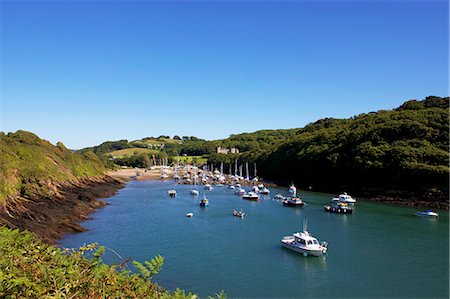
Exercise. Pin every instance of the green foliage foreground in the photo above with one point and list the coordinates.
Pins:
(30, 268)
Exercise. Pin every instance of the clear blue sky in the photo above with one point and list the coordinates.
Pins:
(85, 72)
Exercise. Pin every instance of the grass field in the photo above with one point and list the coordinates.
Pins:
(130, 151)
(199, 160)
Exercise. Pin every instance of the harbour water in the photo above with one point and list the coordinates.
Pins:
(378, 251)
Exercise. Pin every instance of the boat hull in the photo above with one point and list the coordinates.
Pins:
(302, 251)
(292, 204)
(251, 198)
(338, 210)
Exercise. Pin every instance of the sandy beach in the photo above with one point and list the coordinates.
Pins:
(139, 174)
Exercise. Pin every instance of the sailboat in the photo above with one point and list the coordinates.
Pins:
(204, 202)
(246, 171)
(194, 191)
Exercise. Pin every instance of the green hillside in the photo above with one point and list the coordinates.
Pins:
(402, 150)
(27, 161)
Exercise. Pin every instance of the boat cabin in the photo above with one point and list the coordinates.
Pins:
(305, 239)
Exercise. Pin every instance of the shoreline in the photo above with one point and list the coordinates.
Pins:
(50, 218)
(154, 174)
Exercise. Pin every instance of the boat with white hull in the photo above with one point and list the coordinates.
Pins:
(304, 243)
(427, 213)
(345, 198)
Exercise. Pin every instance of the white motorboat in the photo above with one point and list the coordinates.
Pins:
(255, 189)
(194, 192)
(231, 187)
(260, 186)
(279, 197)
(189, 214)
(304, 243)
(172, 193)
(251, 196)
(338, 207)
(208, 187)
(344, 198)
(265, 191)
(292, 191)
(427, 213)
(241, 191)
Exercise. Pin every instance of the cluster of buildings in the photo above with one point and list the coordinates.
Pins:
(222, 150)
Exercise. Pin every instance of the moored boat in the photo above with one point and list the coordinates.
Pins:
(208, 187)
(292, 191)
(194, 192)
(338, 207)
(189, 214)
(241, 191)
(304, 243)
(251, 196)
(172, 193)
(427, 213)
(204, 202)
(345, 198)
(293, 202)
(265, 191)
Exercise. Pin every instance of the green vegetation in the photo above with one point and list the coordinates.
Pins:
(30, 268)
(26, 161)
(197, 160)
(132, 151)
(404, 150)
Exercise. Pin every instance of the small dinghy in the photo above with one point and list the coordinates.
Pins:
(189, 215)
(238, 213)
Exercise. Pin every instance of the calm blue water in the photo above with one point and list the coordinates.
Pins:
(379, 251)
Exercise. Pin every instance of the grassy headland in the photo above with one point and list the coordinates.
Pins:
(48, 189)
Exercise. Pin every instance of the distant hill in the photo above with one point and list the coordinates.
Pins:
(28, 163)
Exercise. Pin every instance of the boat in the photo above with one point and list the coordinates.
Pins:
(238, 185)
(251, 196)
(260, 186)
(292, 190)
(189, 214)
(338, 207)
(219, 185)
(172, 193)
(265, 191)
(279, 197)
(204, 202)
(208, 187)
(231, 187)
(304, 243)
(164, 176)
(428, 213)
(241, 191)
(255, 189)
(194, 191)
(293, 202)
(344, 198)
(238, 213)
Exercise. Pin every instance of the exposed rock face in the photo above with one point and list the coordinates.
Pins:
(59, 212)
